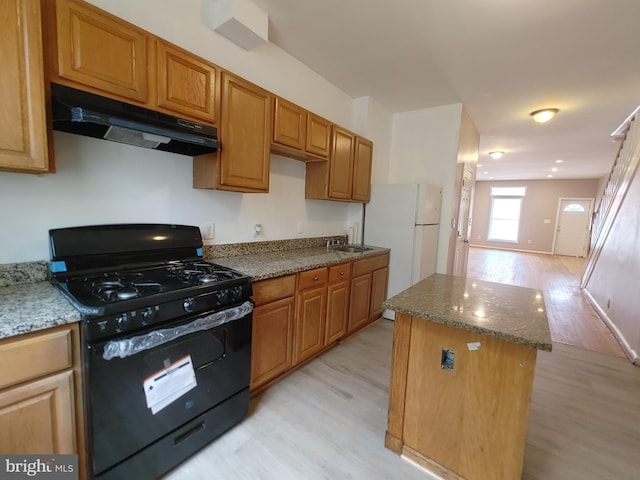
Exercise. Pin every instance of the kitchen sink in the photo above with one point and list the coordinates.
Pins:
(352, 248)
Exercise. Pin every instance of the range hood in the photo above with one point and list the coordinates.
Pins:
(84, 113)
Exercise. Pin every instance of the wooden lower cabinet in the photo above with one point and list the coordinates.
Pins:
(40, 398)
(311, 314)
(338, 292)
(360, 302)
(298, 316)
(379, 283)
(38, 416)
(368, 290)
(272, 331)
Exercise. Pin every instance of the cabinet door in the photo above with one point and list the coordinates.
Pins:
(318, 140)
(360, 301)
(186, 84)
(337, 310)
(311, 312)
(362, 170)
(100, 50)
(271, 341)
(341, 166)
(38, 417)
(245, 133)
(289, 124)
(23, 141)
(379, 281)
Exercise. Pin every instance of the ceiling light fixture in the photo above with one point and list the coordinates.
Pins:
(544, 115)
(496, 155)
(559, 161)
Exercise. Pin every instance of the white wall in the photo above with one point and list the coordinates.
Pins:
(104, 182)
(424, 149)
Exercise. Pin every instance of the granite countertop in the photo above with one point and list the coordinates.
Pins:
(28, 307)
(29, 303)
(275, 264)
(514, 314)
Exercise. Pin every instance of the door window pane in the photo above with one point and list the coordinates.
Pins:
(574, 207)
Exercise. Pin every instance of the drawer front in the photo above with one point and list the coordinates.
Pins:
(265, 291)
(369, 264)
(313, 278)
(339, 272)
(35, 355)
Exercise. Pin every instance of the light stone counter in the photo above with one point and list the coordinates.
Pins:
(275, 264)
(29, 303)
(29, 307)
(511, 313)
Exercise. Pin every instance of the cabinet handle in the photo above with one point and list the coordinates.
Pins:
(342, 274)
(315, 279)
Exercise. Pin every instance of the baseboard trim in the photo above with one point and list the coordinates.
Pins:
(630, 352)
(510, 249)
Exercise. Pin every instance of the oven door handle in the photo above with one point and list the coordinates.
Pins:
(130, 346)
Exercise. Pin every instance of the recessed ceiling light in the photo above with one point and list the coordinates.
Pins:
(485, 172)
(554, 169)
(559, 161)
(549, 176)
(496, 154)
(479, 165)
(544, 115)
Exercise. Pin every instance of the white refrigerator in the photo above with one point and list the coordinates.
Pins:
(406, 219)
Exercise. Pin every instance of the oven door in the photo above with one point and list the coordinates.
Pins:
(134, 402)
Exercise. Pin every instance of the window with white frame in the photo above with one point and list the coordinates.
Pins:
(506, 206)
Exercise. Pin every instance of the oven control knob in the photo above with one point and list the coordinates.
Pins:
(188, 304)
(236, 293)
(147, 316)
(122, 322)
(222, 296)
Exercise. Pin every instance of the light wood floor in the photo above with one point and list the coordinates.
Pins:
(572, 320)
(328, 420)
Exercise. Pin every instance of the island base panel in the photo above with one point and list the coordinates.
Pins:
(471, 420)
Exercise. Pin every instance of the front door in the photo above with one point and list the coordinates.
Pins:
(572, 230)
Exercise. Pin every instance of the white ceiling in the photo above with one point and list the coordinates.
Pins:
(501, 58)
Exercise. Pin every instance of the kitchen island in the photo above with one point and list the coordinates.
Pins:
(464, 354)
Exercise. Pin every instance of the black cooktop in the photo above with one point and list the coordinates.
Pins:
(106, 269)
(121, 285)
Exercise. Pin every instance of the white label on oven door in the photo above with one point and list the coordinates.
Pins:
(167, 385)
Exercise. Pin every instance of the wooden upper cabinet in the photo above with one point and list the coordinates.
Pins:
(362, 170)
(101, 51)
(318, 135)
(185, 84)
(298, 133)
(290, 124)
(341, 165)
(347, 175)
(23, 122)
(245, 133)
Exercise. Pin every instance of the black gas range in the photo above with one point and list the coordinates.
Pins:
(166, 342)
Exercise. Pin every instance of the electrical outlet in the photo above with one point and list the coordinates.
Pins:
(300, 227)
(447, 359)
(257, 230)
